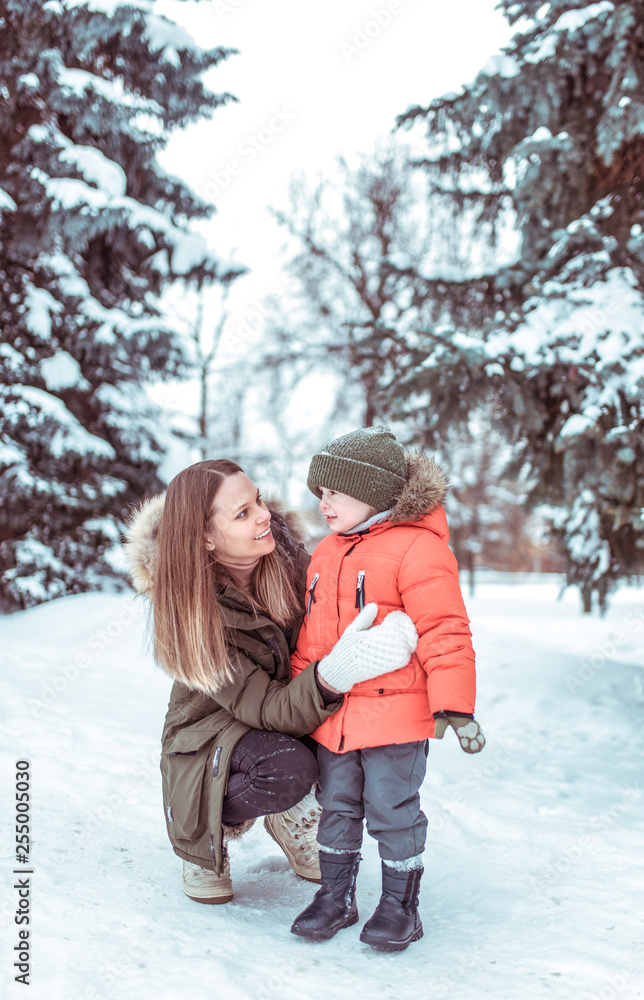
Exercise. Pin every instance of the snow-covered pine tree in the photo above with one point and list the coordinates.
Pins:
(486, 511)
(552, 131)
(91, 232)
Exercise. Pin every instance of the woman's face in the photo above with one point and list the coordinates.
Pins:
(240, 527)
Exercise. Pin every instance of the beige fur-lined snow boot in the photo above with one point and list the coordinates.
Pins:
(202, 885)
(295, 830)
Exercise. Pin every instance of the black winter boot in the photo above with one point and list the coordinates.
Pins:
(334, 904)
(396, 921)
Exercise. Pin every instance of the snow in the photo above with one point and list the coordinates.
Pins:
(10, 455)
(40, 305)
(571, 20)
(443, 143)
(78, 81)
(542, 134)
(533, 883)
(159, 261)
(69, 192)
(7, 203)
(70, 435)
(162, 34)
(190, 250)
(128, 411)
(31, 552)
(29, 80)
(108, 6)
(169, 38)
(577, 424)
(603, 320)
(501, 65)
(583, 534)
(546, 49)
(69, 280)
(96, 167)
(62, 371)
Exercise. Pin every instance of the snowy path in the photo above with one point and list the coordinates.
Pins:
(533, 889)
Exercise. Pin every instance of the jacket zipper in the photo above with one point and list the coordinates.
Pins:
(360, 590)
(312, 598)
(360, 602)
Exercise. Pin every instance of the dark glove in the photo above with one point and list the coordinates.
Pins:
(465, 726)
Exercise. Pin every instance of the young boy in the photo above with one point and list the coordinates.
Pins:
(388, 545)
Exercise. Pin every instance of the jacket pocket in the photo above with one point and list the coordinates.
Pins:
(185, 767)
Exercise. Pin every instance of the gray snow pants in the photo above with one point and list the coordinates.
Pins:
(380, 784)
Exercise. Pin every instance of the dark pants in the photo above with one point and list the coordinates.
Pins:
(380, 784)
(269, 772)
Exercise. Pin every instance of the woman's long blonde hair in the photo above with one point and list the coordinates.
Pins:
(189, 633)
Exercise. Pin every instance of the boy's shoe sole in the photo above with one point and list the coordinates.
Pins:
(325, 935)
(381, 945)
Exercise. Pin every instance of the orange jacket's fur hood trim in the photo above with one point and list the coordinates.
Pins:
(142, 534)
(426, 489)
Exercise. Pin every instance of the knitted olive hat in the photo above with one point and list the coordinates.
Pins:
(368, 465)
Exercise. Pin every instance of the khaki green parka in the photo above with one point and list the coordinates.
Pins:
(201, 731)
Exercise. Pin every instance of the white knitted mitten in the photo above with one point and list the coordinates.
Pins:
(363, 652)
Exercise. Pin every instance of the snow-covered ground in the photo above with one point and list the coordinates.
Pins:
(534, 885)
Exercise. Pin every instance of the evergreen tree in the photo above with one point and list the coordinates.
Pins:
(485, 509)
(551, 137)
(91, 233)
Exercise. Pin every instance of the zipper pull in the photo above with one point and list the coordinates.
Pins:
(360, 590)
(312, 598)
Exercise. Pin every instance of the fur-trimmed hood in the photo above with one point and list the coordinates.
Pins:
(142, 533)
(426, 489)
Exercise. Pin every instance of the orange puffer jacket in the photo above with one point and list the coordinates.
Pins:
(401, 563)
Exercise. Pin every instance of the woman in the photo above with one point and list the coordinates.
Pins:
(225, 577)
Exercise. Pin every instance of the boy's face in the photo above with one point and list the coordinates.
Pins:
(341, 512)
